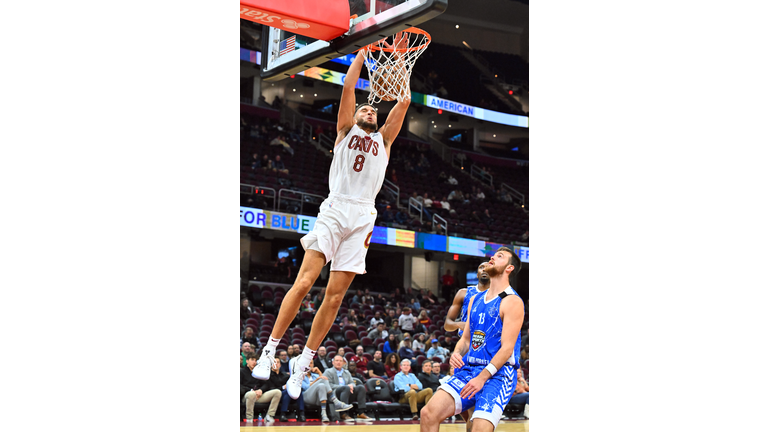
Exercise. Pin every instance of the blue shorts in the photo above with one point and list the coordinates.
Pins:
(490, 401)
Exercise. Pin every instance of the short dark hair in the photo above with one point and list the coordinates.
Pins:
(366, 104)
(514, 260)
(251, 356)
(429, 362)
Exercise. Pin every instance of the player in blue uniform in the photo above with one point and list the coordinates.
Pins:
(460, 304)
(487, 355)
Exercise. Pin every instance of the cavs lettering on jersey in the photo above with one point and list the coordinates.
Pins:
(471, 292)
(359, 165)
(485, 330)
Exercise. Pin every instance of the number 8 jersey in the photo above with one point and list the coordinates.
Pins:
(359, 165)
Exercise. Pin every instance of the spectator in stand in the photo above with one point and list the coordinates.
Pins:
(318, 299)
(306, 305)
(341, 352)
(376, 366)
(266, 162)
(391, 344)
(367, 296)
(524, 237)
(456, 195)
(296, 351)
(376, 320)
(438, 351)
(407, 321)
(344, 387)
(360, 360)
(424, 321)
(245, 310)
(250, 337)
(427, 378)
(406, 352)
(448, 284)
(400, 217)
(479, 196)
(524, 354)
(415, 393)
(323, 362)
(442, 177)
(283, 357)
(359, 378)
(398, 296)
(380, 300)
(256, 162)
(487, 219)
(436, 371)
(424, 161)
(280, 141)
(253, 390)
(395, 330)
(415, 305)
(392, 365)
(278, 165)
(317, 391)
(427, 297)
(379, 332)
(419, 342)
(357, 298)
(389, 317)
(520, 396)
(245, 350)
(452, 181)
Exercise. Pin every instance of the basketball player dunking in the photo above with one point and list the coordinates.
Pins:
(344, 225)
(459, 309)
(487, 356)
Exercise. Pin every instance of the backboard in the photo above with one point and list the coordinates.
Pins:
(285, 53)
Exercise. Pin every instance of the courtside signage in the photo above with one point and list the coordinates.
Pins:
(258, 218)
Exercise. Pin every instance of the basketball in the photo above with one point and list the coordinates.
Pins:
(386, 83)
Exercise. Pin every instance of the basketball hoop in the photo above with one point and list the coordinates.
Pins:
(390, 66)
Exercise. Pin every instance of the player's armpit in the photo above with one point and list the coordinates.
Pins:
(454, 310)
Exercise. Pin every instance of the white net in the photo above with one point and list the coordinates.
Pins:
(390, 65)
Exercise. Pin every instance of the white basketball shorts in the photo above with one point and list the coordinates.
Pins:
(343, 232)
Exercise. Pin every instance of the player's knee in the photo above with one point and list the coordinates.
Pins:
(304, 283)
(334, 299)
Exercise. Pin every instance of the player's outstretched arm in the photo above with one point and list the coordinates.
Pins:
(347, 104)
(454, 311)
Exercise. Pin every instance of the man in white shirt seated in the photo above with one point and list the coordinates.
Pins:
(415, 393)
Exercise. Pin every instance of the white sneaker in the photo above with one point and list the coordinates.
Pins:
(248, 421)
(264, 365)
(526, 411)
(269, 418)
(324, 417)
(294, 382)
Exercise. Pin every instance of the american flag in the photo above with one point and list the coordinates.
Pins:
(288, 45)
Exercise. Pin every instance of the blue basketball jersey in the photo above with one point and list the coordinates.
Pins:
(471, 291)
(485, 327)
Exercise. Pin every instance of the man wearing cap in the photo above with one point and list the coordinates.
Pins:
(405, 351)
(437, 351)
(407, 321)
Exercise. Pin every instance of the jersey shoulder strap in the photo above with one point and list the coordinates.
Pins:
(506, 292)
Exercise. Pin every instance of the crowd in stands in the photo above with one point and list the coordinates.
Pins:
(381, 348)
(276, 156)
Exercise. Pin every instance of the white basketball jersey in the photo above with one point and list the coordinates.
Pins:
(359, 165)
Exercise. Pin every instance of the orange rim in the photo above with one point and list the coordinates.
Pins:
(427, 38)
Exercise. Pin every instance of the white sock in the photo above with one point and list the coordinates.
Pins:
(307, 355)
(271, 346)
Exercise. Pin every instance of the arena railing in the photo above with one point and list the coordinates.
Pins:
(515, 193)
(413, 203)
(439, 221)
(302, 198)
(480, 174)
(394, 190)
(251, 190)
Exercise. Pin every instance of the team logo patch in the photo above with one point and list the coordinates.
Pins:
(478, 339)
(368, 240)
